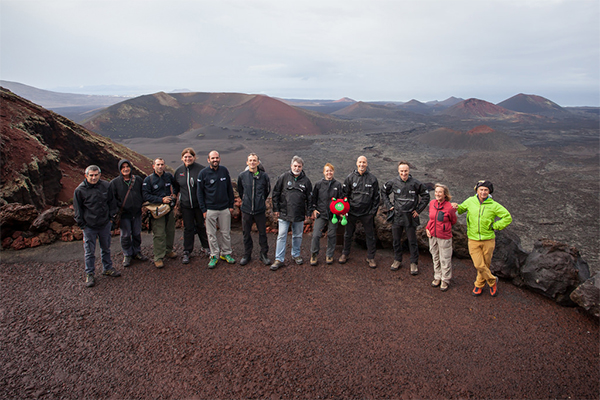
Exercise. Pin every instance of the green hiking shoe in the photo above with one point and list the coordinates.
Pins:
(228, 258)
(213, 262)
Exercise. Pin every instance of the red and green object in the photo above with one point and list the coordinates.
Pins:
(339, 208)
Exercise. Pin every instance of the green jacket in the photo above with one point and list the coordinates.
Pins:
(481, 217)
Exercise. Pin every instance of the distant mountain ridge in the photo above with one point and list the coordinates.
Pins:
(533, 104)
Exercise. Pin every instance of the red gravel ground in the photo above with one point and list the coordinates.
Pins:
(339, 331)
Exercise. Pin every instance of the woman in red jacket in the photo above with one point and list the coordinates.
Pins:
(439, 230)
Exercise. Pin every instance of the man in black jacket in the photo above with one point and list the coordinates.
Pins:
(410, 199)
(254, 187)
(291, 205)
(362, 190)
(186, 177)
(159, 188)
(94, 207)
(127, 191)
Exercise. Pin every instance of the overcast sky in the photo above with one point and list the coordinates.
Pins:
(363, 49)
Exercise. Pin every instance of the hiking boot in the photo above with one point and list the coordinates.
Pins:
(436, 282)
(477, 291)
(140, 257)
(298, 260)
(265, 259)
(343, 259)
(372, 263)
(90, 280)
(228, 258)
(213, 262)
(245, 260)
(276, 265)
(414, 270)
(494, 289)
(313, 259)
(444, 286)
(159, 263)
(126, 261)
(111, 272)
(329, 260)
(185, 259)
(172, 254)
(395, 265)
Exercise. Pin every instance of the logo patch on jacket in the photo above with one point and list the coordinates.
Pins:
(289, 183)
(223, 178)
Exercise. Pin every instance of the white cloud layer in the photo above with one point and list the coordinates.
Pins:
(366, 50)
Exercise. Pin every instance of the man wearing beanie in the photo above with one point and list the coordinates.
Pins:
(482, 212)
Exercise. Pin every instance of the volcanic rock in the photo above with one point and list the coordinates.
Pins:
(43, 221)
(554, 269)
(508, 256)
(16, 217)
(587, 295)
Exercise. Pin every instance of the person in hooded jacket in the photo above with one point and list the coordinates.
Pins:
(127, 191)
(186, 176)
(482, 212)
(254, 187)
(323, 191)
(291, 206)
(95, 208)
(362, 190)
(439, 231)
(410, 199)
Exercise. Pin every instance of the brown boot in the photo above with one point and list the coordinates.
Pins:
(372, 263)
(343, 259)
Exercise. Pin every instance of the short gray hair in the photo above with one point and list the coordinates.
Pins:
(297, 159)
(92, 168)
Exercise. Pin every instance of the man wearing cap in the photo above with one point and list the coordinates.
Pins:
(482, 212)
(94, 207)
(127, 191)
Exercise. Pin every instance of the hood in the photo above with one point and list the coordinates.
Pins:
(123, 162)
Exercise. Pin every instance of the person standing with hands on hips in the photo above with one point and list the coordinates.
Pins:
(482, 212)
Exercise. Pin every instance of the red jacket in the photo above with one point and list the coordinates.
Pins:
(441, 218)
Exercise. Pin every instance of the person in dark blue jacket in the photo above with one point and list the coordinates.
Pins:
(94, 208)
(159, 188)
(254, 187)
(215, 198)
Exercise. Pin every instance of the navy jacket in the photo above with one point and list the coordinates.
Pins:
(156, 187)
(214, 189)
(254, 190)
(186, 179)
(362, 192)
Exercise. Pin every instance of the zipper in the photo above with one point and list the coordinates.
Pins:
(187, 178)
(479, 219)
(253, 187)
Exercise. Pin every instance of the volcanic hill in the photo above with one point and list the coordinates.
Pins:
(475, 108)
(481, 138)
(161, 114)
(376, 111)
(43, 154)
(533, 104)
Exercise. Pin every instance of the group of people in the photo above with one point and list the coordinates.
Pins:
(205, 197)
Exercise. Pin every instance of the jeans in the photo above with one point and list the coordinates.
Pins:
(297, 230)
(261, 225)
(318, 226)
(131, 235)
(368, 224)
(163, 232)
(193, 223)
(222, 218)
(413, 245)
(89, 247)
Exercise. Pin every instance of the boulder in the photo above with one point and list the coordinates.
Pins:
(18, 243)
(508, 256)
(43, 221)
(65, 216)
(554, 269)
(77, 232)
(56, 227)
(16, 217)
(587, 295)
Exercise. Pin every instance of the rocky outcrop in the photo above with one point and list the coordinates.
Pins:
(43, 155)
(509, 257)
(554, 269)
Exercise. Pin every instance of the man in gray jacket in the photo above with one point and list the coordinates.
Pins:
(94, 207)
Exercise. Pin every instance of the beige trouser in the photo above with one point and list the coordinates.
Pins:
(441, 253)
(481, 252)
(218, 230)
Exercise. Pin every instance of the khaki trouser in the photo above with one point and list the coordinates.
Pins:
(441, 253)
(219, 239)
(163, 232)
(481, 252)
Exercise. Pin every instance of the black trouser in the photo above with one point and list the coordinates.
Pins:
(368, 224)
(193, 222)
(411, 234)
(261, 225)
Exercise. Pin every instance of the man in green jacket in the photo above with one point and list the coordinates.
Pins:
(482, 212)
